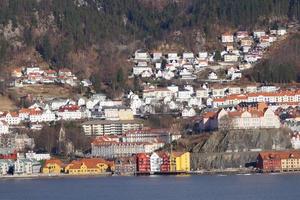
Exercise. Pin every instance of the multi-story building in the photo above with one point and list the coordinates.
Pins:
(125, 165)
(26, 166)
(280, 97)
(4, 166)
(165, 161)
(112, 149)
(4, 127)
(118, 113)
(248, 119)
(180, 162)
(155, 162)
(269, 162)
(275, 161)
(150, 135)
(107, 127)
(12, 118)
(69, 112)
(290, 161)
(37, 156)
(143, 163)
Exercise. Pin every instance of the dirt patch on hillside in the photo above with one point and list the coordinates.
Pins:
(6, 104)
(45, 91)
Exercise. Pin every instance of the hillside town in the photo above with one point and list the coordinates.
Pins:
(204, 88)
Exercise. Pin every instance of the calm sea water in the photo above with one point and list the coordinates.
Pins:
(239, 187)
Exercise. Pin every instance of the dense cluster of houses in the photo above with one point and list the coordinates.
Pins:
(141, 163)
(12, 163)
(241, 50)
(34, 164)
(95, 107)
(188, 100)
(36, 75)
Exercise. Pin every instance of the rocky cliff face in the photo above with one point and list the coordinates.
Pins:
(236, 148)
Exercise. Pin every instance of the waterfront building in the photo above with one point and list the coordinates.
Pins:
(180, 162)
(155, 162)
(52, 166)
(165, 161)
(125, 165)
(143, 163)
(275, 161)
(88, 166)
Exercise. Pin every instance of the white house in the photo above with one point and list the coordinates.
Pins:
(236, 75)
(184, 95)
(202, 93)
(188, 56)
(23, 166)
(202, 63)
(173, 57)
(140, 68)
(218, 91)
(34, 70)
(251, 89)
(4, 127)
(146, 74)
(227, 38)
(155, 162)
(141, 55)
(203, 55)
(12, 118)
(168, 75)
(212, 76)
(69, 112)
(188, 112)
(186, 75)
(241, 35)
(230, 57)
(268, 88)
(246, 42)
(259, 33)
(281, 31)
(157, 56)
(57, 103)
(37, 156)
(4, 166)
(234, 90)
(246, 49)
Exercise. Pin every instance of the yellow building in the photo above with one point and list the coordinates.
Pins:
(125, 114)
(180, 162)
(88, 166)
(52, 166)
(290, 161)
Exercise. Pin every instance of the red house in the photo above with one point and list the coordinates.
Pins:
(165, 165)
(143, 162)
(269, 162)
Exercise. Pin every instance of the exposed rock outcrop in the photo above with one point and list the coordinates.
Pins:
(236, 148)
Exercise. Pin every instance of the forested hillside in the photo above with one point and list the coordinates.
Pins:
(95, 37)
(282, 66)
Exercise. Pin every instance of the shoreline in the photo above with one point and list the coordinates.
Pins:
(195, 173)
